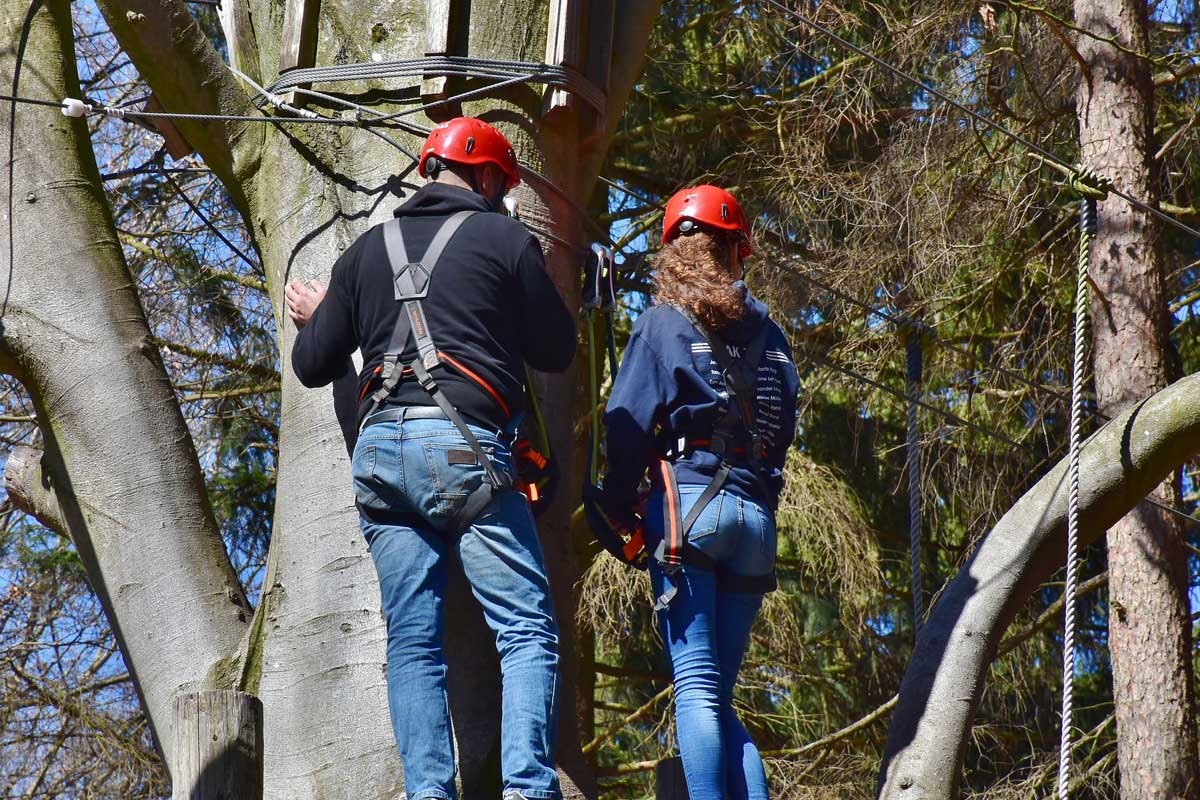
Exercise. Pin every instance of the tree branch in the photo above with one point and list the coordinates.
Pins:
(173, 55)
(29, 487)
(943, 683)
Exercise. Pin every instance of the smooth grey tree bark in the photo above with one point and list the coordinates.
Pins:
(1121, 463)
(119, 473)
(315, 651)
(1149, 625)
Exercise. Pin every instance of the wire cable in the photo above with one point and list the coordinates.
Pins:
(204, 219)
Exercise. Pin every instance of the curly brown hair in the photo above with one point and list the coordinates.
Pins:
(690, 273)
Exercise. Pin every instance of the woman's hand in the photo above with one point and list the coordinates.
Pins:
(302, 300)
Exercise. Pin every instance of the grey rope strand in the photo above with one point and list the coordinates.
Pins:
(1087, 231)
(914, 476)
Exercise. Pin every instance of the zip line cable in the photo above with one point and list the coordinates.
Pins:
(896, 320)
(975, 115)
(950, 416)
(900, 395)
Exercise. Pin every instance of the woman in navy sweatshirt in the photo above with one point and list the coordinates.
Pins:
(706, 400)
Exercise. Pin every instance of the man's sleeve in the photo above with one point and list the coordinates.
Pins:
(322, 348)
(546, 328)
(640, 395)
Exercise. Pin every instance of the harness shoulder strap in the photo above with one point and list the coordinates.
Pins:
(410, 285)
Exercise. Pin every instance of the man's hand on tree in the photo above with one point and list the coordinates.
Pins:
(302, 300)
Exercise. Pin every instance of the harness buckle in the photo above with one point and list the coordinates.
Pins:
(426, 380)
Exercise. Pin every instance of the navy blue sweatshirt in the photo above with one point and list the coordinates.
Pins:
(490, 306)
(668, 381)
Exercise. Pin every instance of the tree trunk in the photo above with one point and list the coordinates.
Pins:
(1149, 625)
(120, 469)
(316, 655)
(943, 682)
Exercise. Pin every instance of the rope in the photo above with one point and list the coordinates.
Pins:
(594, 396)
(913, 346)
(1087, 232)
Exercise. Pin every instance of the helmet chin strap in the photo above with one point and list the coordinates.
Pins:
(495, 203)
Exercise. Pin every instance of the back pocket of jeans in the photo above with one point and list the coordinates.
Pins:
(455, 472)
(366, 483)
(706, 523)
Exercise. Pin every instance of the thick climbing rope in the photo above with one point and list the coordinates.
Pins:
(913, 453)
(1092, 187)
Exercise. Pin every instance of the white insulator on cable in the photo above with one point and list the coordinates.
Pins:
(513, 207)
(72, 107)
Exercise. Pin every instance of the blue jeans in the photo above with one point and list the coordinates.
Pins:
(706, 629)
(410, 478)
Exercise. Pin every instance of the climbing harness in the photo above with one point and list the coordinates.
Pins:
(410, 280)
(735, 435)
(533, 458)
(1093, 187)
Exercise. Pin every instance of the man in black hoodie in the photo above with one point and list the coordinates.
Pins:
(440, 344)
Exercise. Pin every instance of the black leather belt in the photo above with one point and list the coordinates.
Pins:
(402, 413)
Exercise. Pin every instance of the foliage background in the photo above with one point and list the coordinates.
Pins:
(870, 203)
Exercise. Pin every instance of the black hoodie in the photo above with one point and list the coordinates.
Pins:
(490, 307)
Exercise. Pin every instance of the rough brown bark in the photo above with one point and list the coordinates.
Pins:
(1149, 626)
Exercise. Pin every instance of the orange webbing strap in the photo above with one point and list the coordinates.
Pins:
(674, 536)
(483, 384)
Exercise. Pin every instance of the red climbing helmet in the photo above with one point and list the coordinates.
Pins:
(708, 206)
(466, 140)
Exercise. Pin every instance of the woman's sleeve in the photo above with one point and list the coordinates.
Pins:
(640, 396)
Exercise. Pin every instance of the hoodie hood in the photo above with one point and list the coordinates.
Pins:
(752, 320)
(441, 200)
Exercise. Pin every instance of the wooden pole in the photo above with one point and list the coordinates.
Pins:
(218, 746)
(446, 29)
(299, 47)
(562, 41)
